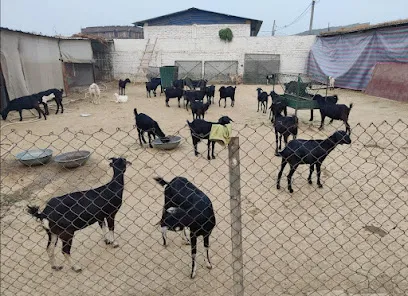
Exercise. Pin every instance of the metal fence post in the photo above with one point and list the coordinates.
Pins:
(236, 226)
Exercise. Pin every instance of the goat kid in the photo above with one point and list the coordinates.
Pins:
(122, 86)
(262, 99)
(95, 93)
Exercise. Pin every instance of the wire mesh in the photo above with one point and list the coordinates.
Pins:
(348, 237)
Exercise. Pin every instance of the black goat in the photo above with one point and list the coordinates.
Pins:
(198, 109)
(293, 87)
(152, 86)
(278, 105)
(200, 129)
(284, 126)
(333, 111)
(57, 97)
(23, 103)
(173, 93)
(187, 206)
(262, 99)
(122, 86)
(145, 124)
(179, 83)
(328, 99)
(63, 215)
(312, 152)
(227, 92)
(210, 93)
(193, 84)
(193, 95)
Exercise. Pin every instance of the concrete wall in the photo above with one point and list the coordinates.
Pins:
(194, 31)
(293, 51)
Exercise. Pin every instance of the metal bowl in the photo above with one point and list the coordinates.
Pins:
(34, 157)
(72, 159)
(169, 143)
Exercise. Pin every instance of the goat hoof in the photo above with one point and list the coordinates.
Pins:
(115, 245)
(213, 157)
(209, 266)
(150, 146)
(276, 154)
(209, 158)
(320, 185)
(76, 268)
(56, 268)
(278, 186)
(310, 182)
(291, 190)
(107, 242)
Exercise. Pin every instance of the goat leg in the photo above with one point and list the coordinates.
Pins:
(276, 141)
(311, 169)
(149, 134)
(213, 146)
(311, 115)
(111, 234)
(52, 242)
(322, 122)
(318, 171)
(163, 231)
(291, 172)
(208, 150)
(206, 247)
(66, 250)
(193, 240)
(284, 162)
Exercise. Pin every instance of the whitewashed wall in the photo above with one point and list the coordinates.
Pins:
(293, 51)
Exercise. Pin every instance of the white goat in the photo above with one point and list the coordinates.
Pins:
(331, 82)
(45, 99)
(120, 99)
(95, 93)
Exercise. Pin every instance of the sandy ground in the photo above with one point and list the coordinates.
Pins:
(293, 244)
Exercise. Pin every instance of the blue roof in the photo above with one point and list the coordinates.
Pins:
(201, 17)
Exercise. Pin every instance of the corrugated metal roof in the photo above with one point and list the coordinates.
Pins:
(99, 29)
(41, 35)
(363, 28)
(199, 16)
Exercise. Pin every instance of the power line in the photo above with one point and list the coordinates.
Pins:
(297, 18)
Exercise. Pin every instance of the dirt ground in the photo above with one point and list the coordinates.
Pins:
(351, 235)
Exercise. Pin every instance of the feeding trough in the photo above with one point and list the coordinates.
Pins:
(167, 143)
(34, 157)
(73, 159)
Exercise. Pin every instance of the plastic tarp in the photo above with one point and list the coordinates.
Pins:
(389, 80)
(29, 63)
(351, 58)
(76, 51)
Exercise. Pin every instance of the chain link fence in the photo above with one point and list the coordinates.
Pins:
(347, 238)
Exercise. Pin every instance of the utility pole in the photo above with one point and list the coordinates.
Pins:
(273, 28)
(311, 17)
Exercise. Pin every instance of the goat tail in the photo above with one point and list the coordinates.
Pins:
(160, 181)
(35, 212)
(351, 106)
(135, 111)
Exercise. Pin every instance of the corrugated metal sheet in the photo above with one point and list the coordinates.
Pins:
(389, 80)
(200, 17)
(351, 58)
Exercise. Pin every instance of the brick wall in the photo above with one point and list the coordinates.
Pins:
(195, 31)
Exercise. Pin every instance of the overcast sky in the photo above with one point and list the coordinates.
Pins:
(67, 17)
